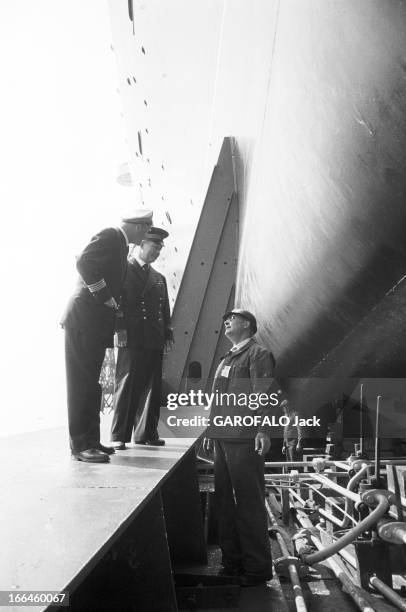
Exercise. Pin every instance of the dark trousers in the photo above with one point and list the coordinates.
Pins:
(291, 453)
(240, 501)
(84, 355)
(137, 394)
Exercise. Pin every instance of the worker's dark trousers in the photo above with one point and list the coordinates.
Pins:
(240, 501)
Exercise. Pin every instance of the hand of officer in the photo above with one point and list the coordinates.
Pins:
(170, 341)
(120, 338)
(111, 303)
(207, 444)
(169, 344)
(262, 444)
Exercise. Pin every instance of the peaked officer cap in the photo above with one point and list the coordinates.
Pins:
(156, 234)
(142, 215)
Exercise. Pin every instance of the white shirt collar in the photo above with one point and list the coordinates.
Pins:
(125, 235)
(240, 345)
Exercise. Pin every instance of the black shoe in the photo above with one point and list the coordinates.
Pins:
(155, 442)
(91, 455)
(250, 580)
(109, 450)
(119, 446)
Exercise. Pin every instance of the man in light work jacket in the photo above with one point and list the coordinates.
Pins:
(145, 331)
(239, 449)
(89, 324)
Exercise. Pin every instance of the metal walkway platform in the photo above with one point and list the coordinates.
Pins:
(95, 530)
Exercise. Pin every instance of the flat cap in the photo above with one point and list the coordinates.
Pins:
(156, 234)
(245, 314)
(142, 215)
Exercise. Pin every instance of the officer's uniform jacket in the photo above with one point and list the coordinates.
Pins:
(102, 268)
(248, 370)
(145, 307)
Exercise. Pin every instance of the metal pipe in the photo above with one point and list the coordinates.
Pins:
(293, 573)
(349, 504)
(321, 511)
(347, 556)
(392, 531)
(299, 499)
(346, 466)
(300, 475)
(297, 464)
(333, 474)
(344, 522)
(283, 543)
(331, 502)
(330, 517)
(356, 593)
(268, 477)
(287, 475)
(398, 461)
(343, 465)
(351, 535)
(387, 592)
(377, 449)
(361, 436)
(294, 464)
(357, 477)
(340, 464)
(336, 487)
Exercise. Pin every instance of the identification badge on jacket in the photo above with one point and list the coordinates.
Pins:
(225, 372)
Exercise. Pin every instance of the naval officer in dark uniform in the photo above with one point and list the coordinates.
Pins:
(145, 331)
(89, 324)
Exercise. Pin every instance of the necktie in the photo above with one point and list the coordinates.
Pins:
(144, 270)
